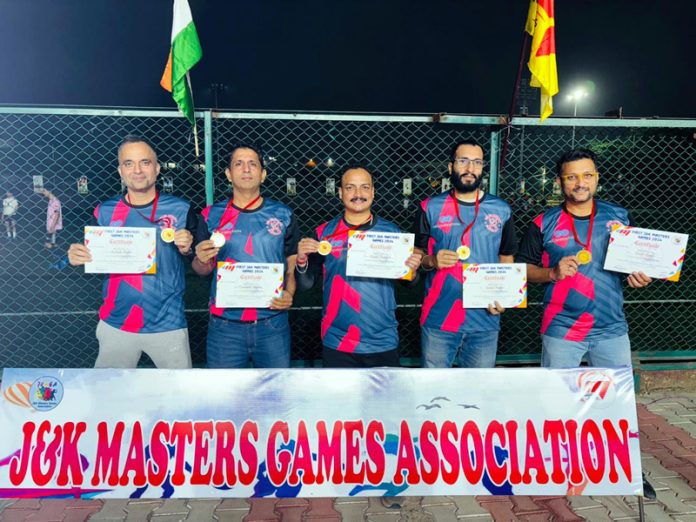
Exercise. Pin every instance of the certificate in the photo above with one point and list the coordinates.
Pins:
(248, 285)
(121, 250)
(658, 254)
(379, 254)
(482, 284)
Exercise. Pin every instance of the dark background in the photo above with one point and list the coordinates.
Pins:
(432, 56)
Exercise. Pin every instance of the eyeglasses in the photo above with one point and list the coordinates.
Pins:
(465, 162)
(574, 178)
(130, 164)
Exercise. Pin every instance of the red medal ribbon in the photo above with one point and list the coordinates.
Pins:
(589, 231)
(346, 230)
(456, 209)
(229, 205)
(154, 208)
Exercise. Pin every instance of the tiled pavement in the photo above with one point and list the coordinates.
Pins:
(668, 441)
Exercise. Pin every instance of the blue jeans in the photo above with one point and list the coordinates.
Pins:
(606, 353)
(232, 343)
(472, 350)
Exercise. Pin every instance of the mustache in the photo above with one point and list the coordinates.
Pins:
(356, 199)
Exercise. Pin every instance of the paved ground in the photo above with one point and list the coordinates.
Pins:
(668, 440)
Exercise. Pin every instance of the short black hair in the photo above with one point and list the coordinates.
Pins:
(574, 155)
(356, 165)
(133, 138)
(246, 145)
(473, 143)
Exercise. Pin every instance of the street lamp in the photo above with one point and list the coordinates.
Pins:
(578, 94)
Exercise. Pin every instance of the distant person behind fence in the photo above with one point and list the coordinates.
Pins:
(144, 312)
(10, 205)
(54, 218)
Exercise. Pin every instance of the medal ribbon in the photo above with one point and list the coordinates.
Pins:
(346, 230)
(589, 230)
(459, 217)
(229, 205)
(154, 208)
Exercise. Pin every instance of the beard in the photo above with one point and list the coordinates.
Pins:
(463, 187)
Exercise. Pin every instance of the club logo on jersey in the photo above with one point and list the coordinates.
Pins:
(560, 237)
(445, 219)
(116, 223)
(167, 221)
(493, 223)
(274, 226)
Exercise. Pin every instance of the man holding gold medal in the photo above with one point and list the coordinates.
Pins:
(565, 248)
(144, 312)
(358, 326)
(249, 242)
(464, 225)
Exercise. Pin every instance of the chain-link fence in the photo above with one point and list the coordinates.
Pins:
(48, 311)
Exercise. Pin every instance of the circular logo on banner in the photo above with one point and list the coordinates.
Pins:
(596, 386)
(45, 393)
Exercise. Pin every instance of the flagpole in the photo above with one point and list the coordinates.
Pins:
(195, 125)
(513, 101)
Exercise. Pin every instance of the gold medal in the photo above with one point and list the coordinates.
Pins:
(463, 252)
(218, 239)
(325, 248)
(167, 234)
(584, 256)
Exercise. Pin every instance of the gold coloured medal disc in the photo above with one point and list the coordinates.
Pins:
(584, 256)
(325, 248)
(218, 239)
(463, 252)
(167, 234)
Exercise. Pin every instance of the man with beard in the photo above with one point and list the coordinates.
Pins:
(565, 248)
(358, 326)
(464, 225)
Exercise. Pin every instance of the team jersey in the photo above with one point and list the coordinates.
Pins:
(267, 234)
(147, 303)
(359, 314)
(439, 228)
(589, 305)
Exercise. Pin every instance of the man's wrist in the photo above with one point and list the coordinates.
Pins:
(553, 276)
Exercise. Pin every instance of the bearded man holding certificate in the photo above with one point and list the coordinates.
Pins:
(358, 327)
(249, 243)
(143, 308)
(462, 226)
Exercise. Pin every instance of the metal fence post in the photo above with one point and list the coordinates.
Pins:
(495, 163)
(208, 138)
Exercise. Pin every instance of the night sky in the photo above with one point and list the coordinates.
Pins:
(388, 56)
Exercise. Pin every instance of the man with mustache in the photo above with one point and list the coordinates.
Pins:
(358, 327)
(464, 225)
(565, 248)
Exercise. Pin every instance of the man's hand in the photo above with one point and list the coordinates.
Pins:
(305, 247)
(79, 254)
(283, 302)
(446, 259)
(567, 267)
(638, 280)
(183, 241)
(206, 250)
(414, 260)
(495, 308)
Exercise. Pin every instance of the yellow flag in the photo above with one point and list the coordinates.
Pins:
(542, 58)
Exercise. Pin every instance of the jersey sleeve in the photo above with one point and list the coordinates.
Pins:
(292, 237)
(508, 241)
(532, 246)
(421, 229)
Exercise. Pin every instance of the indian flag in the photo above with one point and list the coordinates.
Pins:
(183, 55)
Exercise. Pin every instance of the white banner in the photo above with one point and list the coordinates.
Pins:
(317, 433)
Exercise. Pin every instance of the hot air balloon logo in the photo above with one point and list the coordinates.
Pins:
(18, 394)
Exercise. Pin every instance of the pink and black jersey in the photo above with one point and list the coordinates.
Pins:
(359, 312)
(440, 225)
(267, 234)
(147, 303)
(589, 305)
